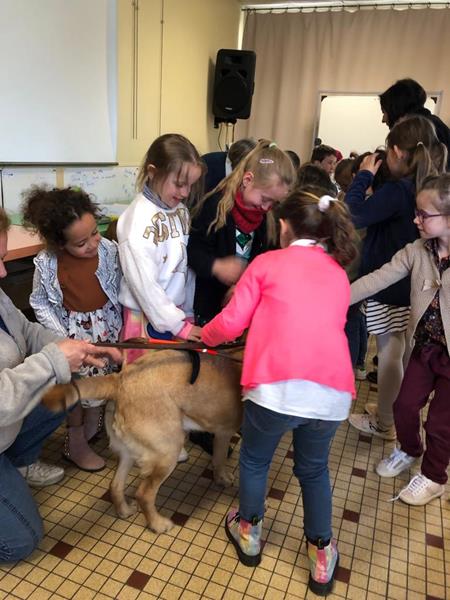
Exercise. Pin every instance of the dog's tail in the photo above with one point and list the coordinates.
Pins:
(61, 397)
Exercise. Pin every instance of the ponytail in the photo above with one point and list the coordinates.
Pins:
(426, 156)
(323, 219)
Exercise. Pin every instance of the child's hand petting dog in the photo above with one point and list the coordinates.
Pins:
(195, 334)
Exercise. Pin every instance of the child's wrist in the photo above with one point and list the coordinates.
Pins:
(185, 330)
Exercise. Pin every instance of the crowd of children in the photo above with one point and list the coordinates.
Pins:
(273, 248)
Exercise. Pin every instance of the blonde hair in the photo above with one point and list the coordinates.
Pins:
(168, 153)
(426, 156)
(4, 221)
(265, 161)
(331, 226)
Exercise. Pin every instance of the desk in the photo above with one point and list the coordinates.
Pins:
(22, 243)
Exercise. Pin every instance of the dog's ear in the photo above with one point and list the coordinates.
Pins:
(57, 398)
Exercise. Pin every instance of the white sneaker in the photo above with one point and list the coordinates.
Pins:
(183, 456)
(420, 490)
(40, 474)
(360, 373)
(369, 424)
(395, 464)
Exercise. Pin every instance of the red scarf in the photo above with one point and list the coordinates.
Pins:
(246, 219)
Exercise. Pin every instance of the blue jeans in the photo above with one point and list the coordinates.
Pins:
(261, 432)
(21, 525)
(356, 331)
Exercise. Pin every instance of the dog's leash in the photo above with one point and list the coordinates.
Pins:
(143, 344)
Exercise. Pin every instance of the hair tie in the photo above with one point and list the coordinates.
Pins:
(324, 202)
(265, 161)
(273, 145)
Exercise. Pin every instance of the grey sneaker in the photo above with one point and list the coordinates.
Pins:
(369, 424)
(40, 474)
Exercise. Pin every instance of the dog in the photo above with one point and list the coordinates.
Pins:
(151, 406)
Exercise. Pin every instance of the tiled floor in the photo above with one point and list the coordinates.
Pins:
(388, 549)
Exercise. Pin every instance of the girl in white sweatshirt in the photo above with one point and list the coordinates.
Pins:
(157, 288)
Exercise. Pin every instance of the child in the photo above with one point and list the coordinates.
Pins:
(220, 164)
(297, 372)
(75, 293)
(343, 173)
(157, 288)
(428, 261)
(413, 152)
(229, 226)
(324, 157)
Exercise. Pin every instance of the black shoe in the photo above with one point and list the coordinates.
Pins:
(205, 440)
(372, 377)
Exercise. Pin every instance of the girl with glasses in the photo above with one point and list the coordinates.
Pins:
(427, 260)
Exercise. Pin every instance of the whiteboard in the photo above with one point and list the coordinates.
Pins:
(59, 83)
(107, 185)
(16, 181)
(353, 122)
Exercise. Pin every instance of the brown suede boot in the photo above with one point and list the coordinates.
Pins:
(76, 448)
(92, 421)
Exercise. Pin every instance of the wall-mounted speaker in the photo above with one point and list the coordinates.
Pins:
(233, 85)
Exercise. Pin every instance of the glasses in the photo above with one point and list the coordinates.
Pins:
(422, 215)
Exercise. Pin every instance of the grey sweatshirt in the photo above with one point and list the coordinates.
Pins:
(30, 361)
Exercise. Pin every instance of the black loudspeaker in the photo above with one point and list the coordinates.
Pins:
(233, 85)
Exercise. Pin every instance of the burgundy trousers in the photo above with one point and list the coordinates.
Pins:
(428, 370)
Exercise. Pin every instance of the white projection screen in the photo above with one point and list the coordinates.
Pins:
(58, 85)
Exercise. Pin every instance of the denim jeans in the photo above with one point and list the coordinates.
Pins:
(21, 525)
(356, 332)
(262, 430)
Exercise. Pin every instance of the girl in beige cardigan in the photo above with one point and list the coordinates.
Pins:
(428, 261)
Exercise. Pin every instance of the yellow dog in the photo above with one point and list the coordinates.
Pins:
(154, 405)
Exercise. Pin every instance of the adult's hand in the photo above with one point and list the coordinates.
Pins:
(80, 353)
(228, 269)
(371, 163)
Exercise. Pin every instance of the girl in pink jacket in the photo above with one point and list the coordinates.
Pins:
(297, 371)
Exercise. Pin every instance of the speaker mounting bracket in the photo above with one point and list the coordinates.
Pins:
(219, 120)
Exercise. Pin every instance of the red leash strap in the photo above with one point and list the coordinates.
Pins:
(143, 344)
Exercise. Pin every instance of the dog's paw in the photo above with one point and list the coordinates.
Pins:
(127, 509)
(223, 477)
(161, 524)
